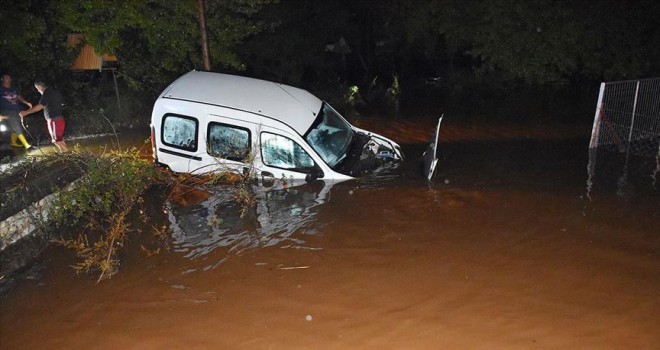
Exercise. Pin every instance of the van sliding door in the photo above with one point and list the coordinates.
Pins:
(228, 143)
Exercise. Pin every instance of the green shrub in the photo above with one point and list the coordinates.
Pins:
(99, 202)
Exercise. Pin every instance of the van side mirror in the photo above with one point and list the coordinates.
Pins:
(314, 174)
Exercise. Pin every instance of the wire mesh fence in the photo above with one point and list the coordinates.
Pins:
(625, 140)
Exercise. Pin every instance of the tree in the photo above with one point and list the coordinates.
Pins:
(546, 42)
(33, 43)
(157, 40)
(201, 7)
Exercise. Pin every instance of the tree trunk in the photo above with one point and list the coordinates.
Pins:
(206, 60)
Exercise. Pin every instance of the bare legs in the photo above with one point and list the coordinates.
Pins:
(61, 145)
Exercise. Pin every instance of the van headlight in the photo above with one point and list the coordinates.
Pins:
(3, 127)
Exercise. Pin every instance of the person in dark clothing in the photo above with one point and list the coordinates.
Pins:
(51, 104)
(9, 107)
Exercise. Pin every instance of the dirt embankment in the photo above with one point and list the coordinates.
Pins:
(20, 187)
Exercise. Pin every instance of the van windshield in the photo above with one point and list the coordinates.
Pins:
(330, 136)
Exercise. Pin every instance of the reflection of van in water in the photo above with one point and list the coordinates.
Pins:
(208, 121)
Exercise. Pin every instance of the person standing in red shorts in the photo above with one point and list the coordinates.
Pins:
(51, 104)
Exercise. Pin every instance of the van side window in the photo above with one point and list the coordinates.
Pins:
(282, 152)
(180, 132)
(228, 142)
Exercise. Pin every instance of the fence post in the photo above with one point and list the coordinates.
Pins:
(595, 131)
(654, 176)
(114, 78)
(632, 124)
(593, 144)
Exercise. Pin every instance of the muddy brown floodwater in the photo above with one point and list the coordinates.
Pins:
(502, 251)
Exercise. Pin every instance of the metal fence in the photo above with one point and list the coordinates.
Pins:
(626, 132)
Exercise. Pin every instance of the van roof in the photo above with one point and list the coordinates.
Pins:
(292, 106)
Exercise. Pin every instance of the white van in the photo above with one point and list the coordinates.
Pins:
(208, 121)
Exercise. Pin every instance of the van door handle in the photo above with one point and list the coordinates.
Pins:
(267, 179)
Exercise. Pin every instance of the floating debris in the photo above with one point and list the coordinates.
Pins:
(281, 267)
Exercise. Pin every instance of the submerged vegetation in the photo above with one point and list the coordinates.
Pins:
(92, 218)
(100, 201)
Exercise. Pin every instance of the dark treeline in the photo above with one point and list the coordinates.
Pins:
(384, 51)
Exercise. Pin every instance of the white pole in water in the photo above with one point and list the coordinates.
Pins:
(595, 131)
(593, 144)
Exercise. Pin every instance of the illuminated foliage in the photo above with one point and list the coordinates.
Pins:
(157, 40)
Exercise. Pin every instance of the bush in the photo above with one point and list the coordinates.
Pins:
(100, 201)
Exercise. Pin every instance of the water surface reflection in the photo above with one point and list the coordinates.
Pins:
(280, 217)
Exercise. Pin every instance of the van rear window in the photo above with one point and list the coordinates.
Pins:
(180, 131)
